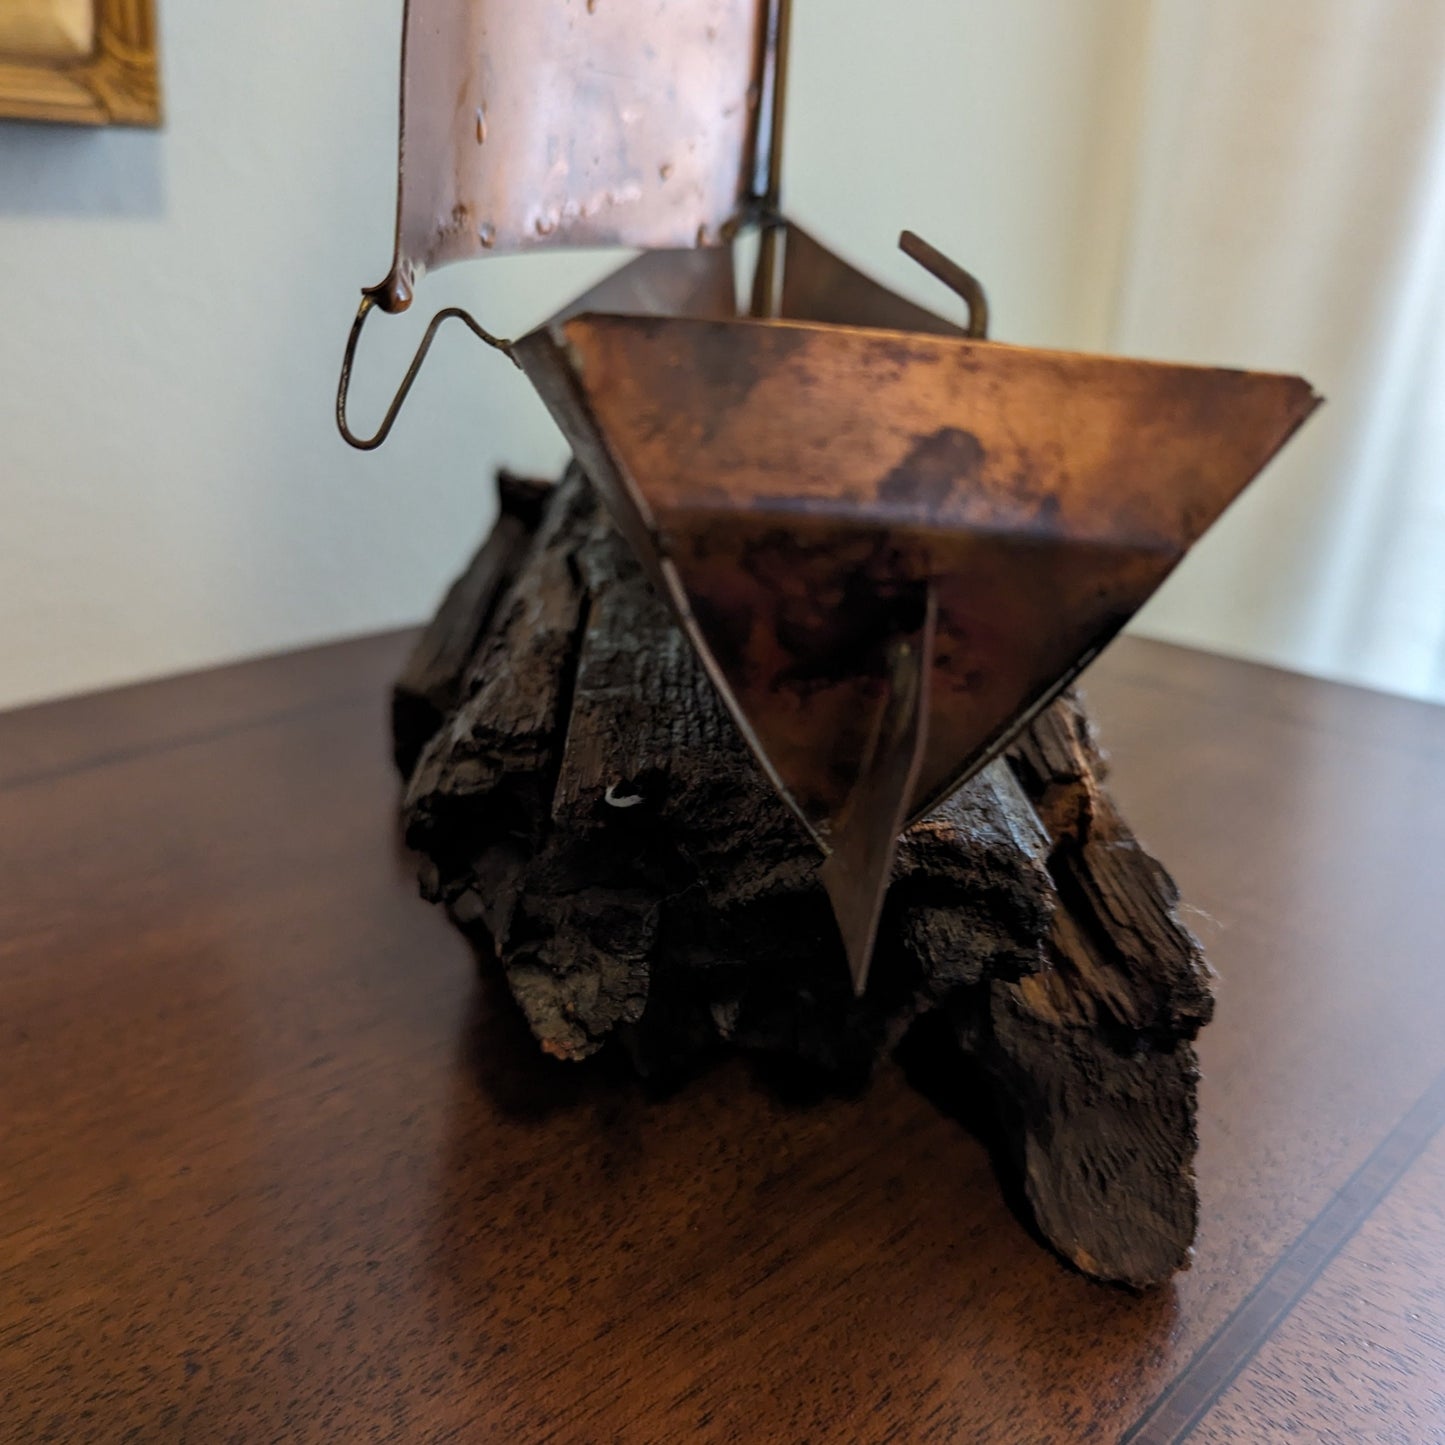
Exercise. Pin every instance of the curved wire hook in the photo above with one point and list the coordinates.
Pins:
(368, 301)
(962, 282)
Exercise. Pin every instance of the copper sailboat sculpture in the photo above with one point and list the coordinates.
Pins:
(890, 540)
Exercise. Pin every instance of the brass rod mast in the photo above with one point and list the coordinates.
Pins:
(781, 22)
(768, 185)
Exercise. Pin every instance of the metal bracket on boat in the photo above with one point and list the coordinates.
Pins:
(863, 841)
(963, 283)
(368, 302)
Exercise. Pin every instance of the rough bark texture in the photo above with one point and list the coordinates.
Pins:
(428, 691)
(585, 808)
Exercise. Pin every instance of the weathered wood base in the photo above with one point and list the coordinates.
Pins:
(586, 810)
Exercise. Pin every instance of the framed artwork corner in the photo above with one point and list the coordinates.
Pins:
(80, 62)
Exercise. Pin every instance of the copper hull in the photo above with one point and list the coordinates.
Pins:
(807, 492)
(799, 490)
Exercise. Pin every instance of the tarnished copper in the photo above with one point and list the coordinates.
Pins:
(799, 487)
(890, 540)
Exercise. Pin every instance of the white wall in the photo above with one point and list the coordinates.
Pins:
(172, 490)
(1288, 212)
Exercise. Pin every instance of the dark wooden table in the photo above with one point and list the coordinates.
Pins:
(273, 1168)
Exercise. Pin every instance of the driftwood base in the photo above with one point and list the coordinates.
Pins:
(589, 815)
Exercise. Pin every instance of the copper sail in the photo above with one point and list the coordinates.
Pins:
(890, 541)
(543, 123)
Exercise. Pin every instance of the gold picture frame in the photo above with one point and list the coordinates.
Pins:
(82, 62)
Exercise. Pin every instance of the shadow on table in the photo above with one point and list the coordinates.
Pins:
(503, 1063)
(737, 1265)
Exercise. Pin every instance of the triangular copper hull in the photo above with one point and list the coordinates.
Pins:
(802, 487)
(805, 494)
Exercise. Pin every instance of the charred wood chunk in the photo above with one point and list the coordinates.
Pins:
(585, 807)
(429, 687)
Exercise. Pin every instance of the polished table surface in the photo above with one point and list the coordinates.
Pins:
(274, 1167)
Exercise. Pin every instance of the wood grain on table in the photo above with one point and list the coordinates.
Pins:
(273, 1166)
